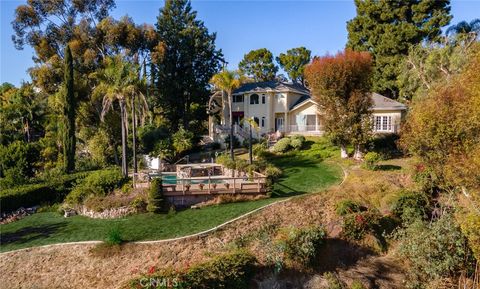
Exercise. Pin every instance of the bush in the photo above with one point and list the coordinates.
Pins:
(35, 194)
(357, 225)
(333, 281)
(97, 183)
(259, 150)
(226, 161)
(357, 285)
(233, 270)
(282, 146)
(410, 206)
(302, 245)
(386, 145)
(434, 250)
(17, 163)
(156, 201)
(371, 161)
(297, 142)
(272, 173)
(114, 237)
(347, 207)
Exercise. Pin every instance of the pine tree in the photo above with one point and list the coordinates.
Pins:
(69, 141)
(387, 29)
(189, 61)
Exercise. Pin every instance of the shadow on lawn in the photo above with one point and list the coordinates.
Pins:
(290, 165)
(30, 233)
(388, 168)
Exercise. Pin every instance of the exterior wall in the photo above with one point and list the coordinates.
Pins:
(279, 102)
(307, 109)
(396, 117)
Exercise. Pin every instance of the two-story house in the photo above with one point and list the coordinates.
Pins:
(288, 108)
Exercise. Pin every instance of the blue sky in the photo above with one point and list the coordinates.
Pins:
(240, 26)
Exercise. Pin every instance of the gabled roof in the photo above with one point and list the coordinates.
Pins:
(301, 101)
(381, 102)
(273, 85)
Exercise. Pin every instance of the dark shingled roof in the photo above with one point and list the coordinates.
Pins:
(302, 99)
(271, 85)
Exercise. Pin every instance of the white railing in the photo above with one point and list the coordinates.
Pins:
(304, 128)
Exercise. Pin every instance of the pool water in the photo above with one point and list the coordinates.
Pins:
(172, 180)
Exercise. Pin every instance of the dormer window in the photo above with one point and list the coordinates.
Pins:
(254, 98)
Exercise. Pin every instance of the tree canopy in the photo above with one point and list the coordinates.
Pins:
(340, 84)
(258, 65)
(387, 29)
(294, 62)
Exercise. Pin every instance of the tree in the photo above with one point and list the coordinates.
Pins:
(228, 81)
(340, 84)
(189, 61)
(294, 62)
(387, 29)
(465, 32)
(69, 141)
(118, 81)
(258, 64)
(156, 201)
(443, 131)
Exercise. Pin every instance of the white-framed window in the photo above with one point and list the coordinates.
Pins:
(383, 123)
(263, 121)
(238, 98)
(255, 119)
(263, 98)
(254, 98)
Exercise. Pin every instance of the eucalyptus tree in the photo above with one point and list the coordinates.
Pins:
(294, 62)
(69, 111)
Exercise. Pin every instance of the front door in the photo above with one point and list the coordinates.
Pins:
(279, 124)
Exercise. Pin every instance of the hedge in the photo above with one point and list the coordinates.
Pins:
(35, 194)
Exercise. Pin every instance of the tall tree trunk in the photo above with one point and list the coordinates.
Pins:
(358, 155)
(69, 141)
(343, 151)
(232, 155)
(250, 151)
(134, 136)
(124, 138)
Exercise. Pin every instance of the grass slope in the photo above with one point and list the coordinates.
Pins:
(307, 171)
(48, 228)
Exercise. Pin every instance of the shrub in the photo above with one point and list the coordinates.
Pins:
(259, 150)
(233, 270)
(282, 146)
(357, 225)
(297, 142)
(371, 160)
(114, 237)
(35, 194)
(347, 207)
(226, 161)
(182, 140)
(386, 145)
(97, 183)
(302, 245)
(434, 250)
(17, 163)
(156, 202)
(272, 173)
(410, 206)
(333, 281)
(357, 285)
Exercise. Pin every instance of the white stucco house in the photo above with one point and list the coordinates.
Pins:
(287, 108)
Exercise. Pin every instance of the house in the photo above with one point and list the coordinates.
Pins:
(287, 108)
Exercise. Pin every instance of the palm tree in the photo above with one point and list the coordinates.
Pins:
(228, 81)
(119, 81)
(252, 124)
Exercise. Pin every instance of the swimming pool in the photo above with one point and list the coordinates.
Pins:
(172, 180)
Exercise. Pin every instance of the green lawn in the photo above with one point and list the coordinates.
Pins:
(306, 171)
(48, 228)
(309, 170)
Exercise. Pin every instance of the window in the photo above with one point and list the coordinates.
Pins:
(263, 121)
(255, 119)
(383, 123)
(254, 98)
(263, 98)
(238, 98)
